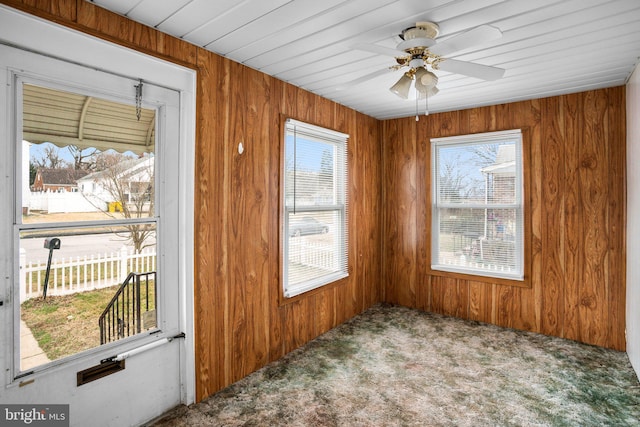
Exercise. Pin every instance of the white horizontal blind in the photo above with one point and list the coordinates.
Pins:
(477, 204)
(314, 220)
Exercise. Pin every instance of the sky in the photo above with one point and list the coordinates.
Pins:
(308, 153)
(37, 151)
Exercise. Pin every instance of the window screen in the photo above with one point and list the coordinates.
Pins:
(314, 220)
(477, 207)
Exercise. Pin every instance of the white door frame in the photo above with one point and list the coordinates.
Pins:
(44, 37)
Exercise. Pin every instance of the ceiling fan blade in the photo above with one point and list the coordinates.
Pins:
(381, 50)
(475, 36)
(363, 79)
(484, 72)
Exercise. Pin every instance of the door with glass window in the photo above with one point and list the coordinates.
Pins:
(93, 301)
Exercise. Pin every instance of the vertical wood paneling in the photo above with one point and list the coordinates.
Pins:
(356, 210)
(240, 322)
(113, 26)
(504, 301)
(480, 302)
(527, 115)
(175, 48)
(211, 300)
(423, 212)
(574, 209)
(400, 198)
(325, 316)
(299, 325)
(573, 216)
(617, 255)
(305, 106)
(369, 234)
(450, 297)
(553, 216)
(274, 148)
(249, 212)
(594, 169)
(205, 257)
(349, 295)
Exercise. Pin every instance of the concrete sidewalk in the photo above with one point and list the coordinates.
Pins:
(31, 355)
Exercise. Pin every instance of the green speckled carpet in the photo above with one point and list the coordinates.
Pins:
(393, 366)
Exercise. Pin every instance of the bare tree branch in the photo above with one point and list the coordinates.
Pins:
(129, 183)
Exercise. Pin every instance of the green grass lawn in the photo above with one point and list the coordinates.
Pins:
(65, 325)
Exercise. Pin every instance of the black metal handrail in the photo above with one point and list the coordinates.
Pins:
(123, 315)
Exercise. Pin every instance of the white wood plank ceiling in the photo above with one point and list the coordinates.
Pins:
(548, 47)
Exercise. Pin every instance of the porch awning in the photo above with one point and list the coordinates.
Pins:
(65, 118)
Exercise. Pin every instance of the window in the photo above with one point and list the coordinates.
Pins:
(314, 219)
(477, 205)
(86, 223)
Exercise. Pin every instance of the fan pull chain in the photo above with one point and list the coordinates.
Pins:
(417, 96)
(426, 105)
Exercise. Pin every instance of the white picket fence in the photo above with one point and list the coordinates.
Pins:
(311, 254)
(80, 274)
(451, 259)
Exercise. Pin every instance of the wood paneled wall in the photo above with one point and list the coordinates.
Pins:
(240, 322)
(576, 206)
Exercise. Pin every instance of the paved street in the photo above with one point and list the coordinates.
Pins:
(73, 246)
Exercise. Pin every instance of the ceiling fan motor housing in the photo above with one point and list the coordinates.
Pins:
(427, 30)
(418, 38)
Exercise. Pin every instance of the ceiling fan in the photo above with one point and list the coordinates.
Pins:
(421, 54)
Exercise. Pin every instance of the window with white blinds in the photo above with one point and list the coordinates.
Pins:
(477, 204)
(314, 215)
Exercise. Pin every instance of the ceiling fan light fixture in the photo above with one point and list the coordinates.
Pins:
(427, 79)
(402, 86)
(428, 93)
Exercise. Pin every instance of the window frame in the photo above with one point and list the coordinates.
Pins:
(523, 184)
(167, 321)
(341, 246)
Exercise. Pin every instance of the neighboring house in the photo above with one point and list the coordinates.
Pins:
(57, 180)
(125, 182)
(500, 175)
(500, 224)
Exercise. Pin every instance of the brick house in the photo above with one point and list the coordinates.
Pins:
(57, 179)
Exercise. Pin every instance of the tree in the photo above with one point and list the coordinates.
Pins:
(454, 184)
(325, 177)
(326, 163)
(33, 170)
(484, 154)
(83, 158)
(50, 158)
(129, 183)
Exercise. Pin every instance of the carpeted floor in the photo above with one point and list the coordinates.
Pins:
(393, 366)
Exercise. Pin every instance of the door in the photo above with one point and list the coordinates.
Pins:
(94, 300)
